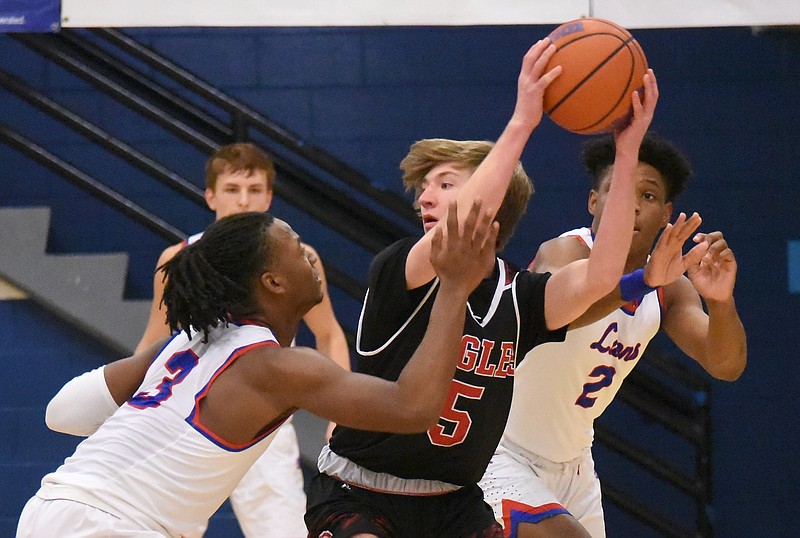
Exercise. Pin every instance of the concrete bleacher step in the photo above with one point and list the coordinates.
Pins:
(86, 289)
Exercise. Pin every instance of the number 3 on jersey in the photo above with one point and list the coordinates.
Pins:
(461, 421)
(179, 365)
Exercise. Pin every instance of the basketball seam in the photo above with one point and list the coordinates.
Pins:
(621, 97)
(591, 73)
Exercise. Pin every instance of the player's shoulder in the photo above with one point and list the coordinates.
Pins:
(395, 253)
(276, 367)
(559, 251)
(168, 253)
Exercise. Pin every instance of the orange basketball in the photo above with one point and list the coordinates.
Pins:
(602, 65)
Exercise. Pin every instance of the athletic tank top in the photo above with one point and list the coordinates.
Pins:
(153, 461)
(561, 388)
(505, 319)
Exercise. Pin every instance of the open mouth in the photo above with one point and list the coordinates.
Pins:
(428, 222)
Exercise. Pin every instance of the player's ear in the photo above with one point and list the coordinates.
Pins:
(667, 216)
(211, 199)
(592, 204)
(273, 282)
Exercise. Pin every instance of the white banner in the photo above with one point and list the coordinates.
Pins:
(146, 13)
(693, 13)
(628, 13)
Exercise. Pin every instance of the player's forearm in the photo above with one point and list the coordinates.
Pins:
(615, 232)
(425, 380)
(491, 179)
(81, 406)
(726, 342)
(599, 309)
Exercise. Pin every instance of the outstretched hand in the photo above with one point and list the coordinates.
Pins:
(714, 275)
(533, 81)
(631, 135)
(667, 261)
(463, 256)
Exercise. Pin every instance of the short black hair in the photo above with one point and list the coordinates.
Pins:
(598, 155)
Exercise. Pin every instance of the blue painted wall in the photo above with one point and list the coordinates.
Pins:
(729, 97)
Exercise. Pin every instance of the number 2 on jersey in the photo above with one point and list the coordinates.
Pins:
(438, 435)
(606, 375)
(179, 365)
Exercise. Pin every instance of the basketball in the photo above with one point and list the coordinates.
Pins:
(602, 65)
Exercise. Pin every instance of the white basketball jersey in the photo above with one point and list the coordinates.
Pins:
(561, 388)
(153, 461)
(194, 238)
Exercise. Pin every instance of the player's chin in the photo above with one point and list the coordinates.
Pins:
(429, 225)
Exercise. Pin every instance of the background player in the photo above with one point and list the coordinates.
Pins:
(374, 484)
(270, 501)
(541, 482)
(201, 409)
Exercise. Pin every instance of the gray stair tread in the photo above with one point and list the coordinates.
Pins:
(87, 289)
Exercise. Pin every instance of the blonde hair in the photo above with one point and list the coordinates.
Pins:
(467, 155)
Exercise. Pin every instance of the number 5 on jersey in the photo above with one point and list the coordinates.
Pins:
(461, 421)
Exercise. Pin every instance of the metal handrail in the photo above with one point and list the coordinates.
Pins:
(103, 138)
(245, 114)
(89, 184)
(323, 203)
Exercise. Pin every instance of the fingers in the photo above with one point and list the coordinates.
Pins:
(535, 61)
(471, 228)
(452, 218)
(538, 55)
(437, 239)
(478, 226)
(675, 234)
(650, 87)
(718, 250)
(684, 227)
(462, 254)
(644, 103)
(541, 63)
(695, 255)
(490, 241)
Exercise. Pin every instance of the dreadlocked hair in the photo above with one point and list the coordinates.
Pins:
(210, 281)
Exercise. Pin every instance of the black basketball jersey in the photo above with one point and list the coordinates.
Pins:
(505, 319)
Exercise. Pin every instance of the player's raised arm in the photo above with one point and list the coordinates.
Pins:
(714, 337)
(666, 264)
(573, 289)
(491, 178)
(87, 400)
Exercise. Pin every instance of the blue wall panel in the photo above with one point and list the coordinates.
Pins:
(728, 97)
